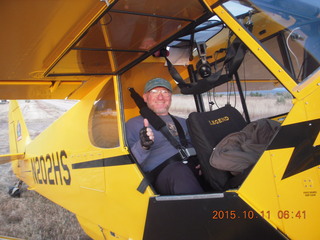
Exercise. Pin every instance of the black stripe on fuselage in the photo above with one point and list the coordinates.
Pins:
(105, 162)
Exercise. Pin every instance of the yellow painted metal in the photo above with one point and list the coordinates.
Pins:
(212, 2)
(309, 85)
(106, 35)
(9, 238)
(119, 105)
(18, 132)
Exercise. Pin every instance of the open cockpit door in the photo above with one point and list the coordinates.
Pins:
(103, 49)
(62, 52)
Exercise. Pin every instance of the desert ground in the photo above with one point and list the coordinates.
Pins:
(32, 216)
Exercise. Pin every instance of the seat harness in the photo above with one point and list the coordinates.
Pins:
(235, 54)
(158, 124)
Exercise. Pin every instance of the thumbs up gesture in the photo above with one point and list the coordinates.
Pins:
(146, 135)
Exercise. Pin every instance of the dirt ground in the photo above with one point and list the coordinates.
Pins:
(32, 216)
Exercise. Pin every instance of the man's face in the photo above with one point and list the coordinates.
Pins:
(158, 100)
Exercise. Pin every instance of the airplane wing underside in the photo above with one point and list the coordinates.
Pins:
(48, 54)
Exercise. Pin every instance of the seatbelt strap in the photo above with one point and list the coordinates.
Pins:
(182, 136)
(183, 149)
(175, 75)
(201, 86)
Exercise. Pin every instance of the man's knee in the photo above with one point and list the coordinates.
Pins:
(177, 178)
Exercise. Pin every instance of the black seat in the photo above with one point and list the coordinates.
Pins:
(206, 130)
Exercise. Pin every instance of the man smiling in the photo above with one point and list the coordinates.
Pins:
(156, 155)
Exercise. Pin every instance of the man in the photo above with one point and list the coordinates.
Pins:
(151, 148)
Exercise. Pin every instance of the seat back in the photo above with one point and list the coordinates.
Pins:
(206, 130)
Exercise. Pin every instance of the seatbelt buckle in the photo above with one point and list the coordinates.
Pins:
(185, 153)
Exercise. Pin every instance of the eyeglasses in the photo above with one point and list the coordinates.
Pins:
(156, 92)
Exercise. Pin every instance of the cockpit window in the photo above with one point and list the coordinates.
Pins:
(292, 32)
(202, 33)
(103, 125)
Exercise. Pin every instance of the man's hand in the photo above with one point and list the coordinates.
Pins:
(146, 135)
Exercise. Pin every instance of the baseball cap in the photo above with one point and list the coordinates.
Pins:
(157, 82)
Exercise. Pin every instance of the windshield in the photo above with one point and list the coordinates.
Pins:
(292, 32)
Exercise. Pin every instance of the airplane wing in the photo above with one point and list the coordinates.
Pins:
(35, 36)
(48, 54)
(11, 157)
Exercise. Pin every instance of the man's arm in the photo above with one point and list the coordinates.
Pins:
(133, 132)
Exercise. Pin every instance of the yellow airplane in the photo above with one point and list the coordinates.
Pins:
(94, 51)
